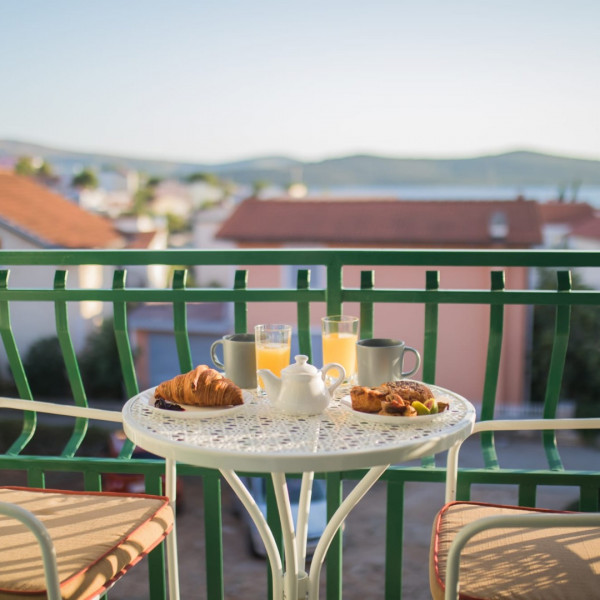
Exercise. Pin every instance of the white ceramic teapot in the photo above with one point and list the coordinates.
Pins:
(301, 390)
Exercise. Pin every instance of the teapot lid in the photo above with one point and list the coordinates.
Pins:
(300, 367)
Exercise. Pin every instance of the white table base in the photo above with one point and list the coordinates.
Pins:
(257, 437)
(293, 582)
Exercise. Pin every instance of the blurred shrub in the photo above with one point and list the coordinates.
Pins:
(45, 369)
(100, 366)
(8, 386)
(581, 376)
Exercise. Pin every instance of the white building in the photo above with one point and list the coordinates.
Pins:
(32, 217)
(206, 224)
(558, 220)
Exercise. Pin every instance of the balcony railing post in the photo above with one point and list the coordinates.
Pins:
(492, 369)
(240, 309)
(180, 328)
(70, 360)
(303, 312)
(334, 288)
(367, 282)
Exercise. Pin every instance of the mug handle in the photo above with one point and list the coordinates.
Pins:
(213, 354)
(418, 361)
(339, 380)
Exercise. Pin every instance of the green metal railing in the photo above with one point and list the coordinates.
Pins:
(334, 295)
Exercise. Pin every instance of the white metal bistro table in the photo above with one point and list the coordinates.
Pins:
(256, 437)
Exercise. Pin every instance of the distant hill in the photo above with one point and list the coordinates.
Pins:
(513, 168)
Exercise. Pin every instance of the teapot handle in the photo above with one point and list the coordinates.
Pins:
(339, 380)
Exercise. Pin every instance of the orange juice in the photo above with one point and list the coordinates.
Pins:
(273, 357)
(340, 348)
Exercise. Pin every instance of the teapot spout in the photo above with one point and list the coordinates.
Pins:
(271, 382)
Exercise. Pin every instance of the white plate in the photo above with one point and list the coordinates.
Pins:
(346, 402)
(193, 412)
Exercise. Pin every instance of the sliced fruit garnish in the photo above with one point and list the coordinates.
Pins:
(432, 405)
(420, 408)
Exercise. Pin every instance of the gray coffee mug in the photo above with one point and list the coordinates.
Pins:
(381, 359)
(239, 358)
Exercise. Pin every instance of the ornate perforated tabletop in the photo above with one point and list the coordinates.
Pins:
(258, 437)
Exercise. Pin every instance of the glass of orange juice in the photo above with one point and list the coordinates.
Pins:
(272, 348)
(339, 335)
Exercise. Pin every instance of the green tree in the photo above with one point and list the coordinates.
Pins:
(45, 170)
(45, 369)
(177, 224)
(25, 166)
(581, 377)
(153, 182)
(209, 178)
(141, 200)
(8, 386)
(258, 186)
(99, 364)
(32, 167)
(85, 179)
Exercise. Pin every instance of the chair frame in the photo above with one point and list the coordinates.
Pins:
(44, 540)
(452, 581)
(38, 528)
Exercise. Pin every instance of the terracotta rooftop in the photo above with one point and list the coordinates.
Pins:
(50, 220)
(590, 228)
(383, 222)
(563, 212)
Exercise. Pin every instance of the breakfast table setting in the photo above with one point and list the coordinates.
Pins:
(300, 420)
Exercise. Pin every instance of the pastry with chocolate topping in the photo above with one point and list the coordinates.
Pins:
(409, 390)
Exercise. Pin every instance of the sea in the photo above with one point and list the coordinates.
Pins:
(541, 193)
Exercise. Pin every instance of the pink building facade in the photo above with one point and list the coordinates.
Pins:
(463, 329)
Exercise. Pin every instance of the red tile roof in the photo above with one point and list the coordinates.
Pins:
(567, 213)
(381, 222)
(587, 229)
(50, 220)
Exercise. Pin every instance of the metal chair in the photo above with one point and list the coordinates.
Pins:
(59, 544)
(493, 552)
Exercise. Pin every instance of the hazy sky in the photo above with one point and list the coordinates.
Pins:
(221, 80)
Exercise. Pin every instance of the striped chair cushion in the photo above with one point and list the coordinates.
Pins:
(515, 563)
(97, 536)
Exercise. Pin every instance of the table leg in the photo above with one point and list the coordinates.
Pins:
(353, 498)
(290, 548)
(294, 584)
(263, 529)
(172, 566)
(303, 514)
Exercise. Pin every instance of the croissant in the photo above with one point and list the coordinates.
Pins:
(201, 387)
